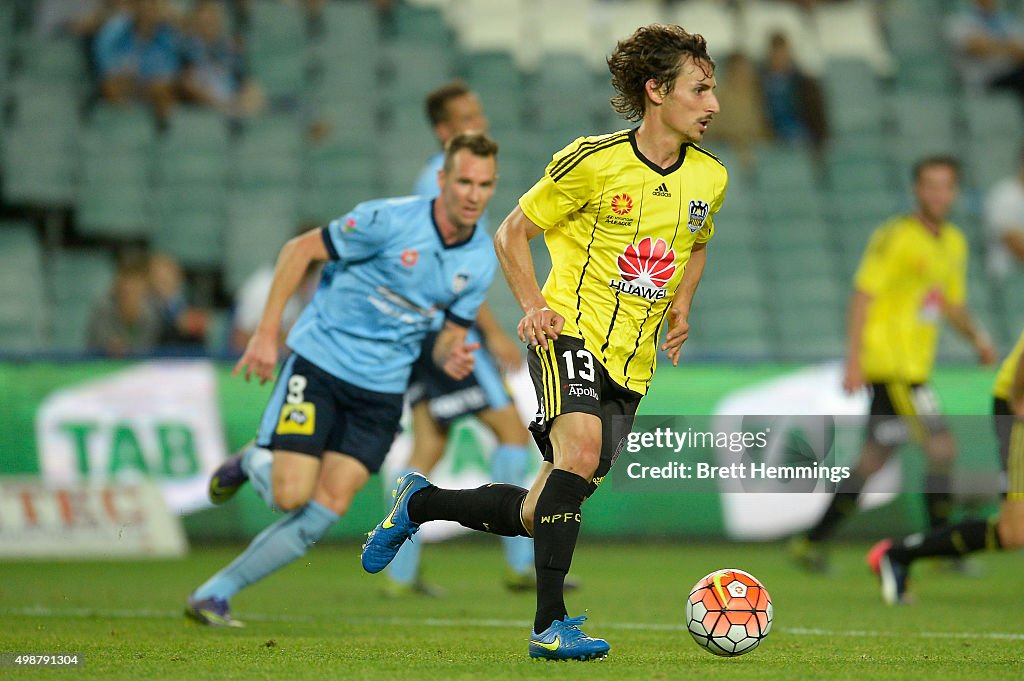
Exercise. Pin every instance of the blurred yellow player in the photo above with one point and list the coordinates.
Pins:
(912, 275)
(891, 561)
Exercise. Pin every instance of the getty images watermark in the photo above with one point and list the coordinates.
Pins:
(778, 454)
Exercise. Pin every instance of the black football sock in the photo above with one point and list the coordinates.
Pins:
(952, 540)
(556, 526)
(495, 508)
(938, 499)
(843, 505)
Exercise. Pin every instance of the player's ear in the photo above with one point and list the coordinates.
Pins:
(440, 178)
(655, 91)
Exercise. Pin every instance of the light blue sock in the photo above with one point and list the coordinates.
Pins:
(275, 547)
(509, 464)
(405, 566)
(257, 462)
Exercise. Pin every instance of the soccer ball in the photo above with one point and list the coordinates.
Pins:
(728, 612)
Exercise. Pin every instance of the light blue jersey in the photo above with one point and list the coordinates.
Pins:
(389, 277)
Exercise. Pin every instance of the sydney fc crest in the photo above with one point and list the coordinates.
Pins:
(698, 213)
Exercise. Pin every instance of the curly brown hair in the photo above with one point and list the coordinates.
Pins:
(652, 51)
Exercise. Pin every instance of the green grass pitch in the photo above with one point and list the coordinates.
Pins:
(322, 618)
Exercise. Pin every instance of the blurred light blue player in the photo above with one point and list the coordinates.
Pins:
(437, 400)
(336, 405)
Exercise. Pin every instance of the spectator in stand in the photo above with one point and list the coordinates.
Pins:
(136, 56)
(124, 321)
(214, 69)
(989, 46)
(181, 326)
(1004, 223)
(793, 100)
(741, 122)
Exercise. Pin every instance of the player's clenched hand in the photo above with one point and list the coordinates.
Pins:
(506, 351)
(459, 362)
(677, 334)
(540, 324)
(260, 358)
(853, 378)
(986, 352)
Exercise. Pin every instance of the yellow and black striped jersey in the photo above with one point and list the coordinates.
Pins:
(1008, 370)
(620, 231)
(911, 274)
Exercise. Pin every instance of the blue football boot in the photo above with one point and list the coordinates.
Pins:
(564, 640)
(384, 541)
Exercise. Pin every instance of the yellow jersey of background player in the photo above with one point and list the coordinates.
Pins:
(912, 275)
(620, 230)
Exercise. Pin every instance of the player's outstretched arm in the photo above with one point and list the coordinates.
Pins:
(260, 356)
(501, 346)
(856, 316)
(452, 353)
(960, 317)
(512, 245)
(679, 313)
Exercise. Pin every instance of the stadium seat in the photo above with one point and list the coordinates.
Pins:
(41, 143)
(852, 91)
(189, 219)
(114, 196)
(257, 226)
(716, 21)
(559, 28)
(275, 26)
(863, 208)
(419, 25)
(338, 179)
(989, 160)
(779, 203)
(55, 60)
(993, 115)
(737, 332)
(415, 69)
(268, 154)
(783, 167)
(611, 19)
(858, 175)
(487, 26)
(850, 31)
(23, 310)
(76, 279)
(760, 20)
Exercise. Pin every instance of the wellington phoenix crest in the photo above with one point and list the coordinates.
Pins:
(645, 268)
(698, 213)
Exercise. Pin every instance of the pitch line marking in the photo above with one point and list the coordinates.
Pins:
(85, 613)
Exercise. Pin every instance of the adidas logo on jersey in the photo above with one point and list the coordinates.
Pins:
(661, 190)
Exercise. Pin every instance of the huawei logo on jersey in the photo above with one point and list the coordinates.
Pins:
(645, 269)
(622, 204)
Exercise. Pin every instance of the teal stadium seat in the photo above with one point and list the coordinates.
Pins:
(852, 91)
(259, 222)
(41, 143)
(23, 308)
(189, 222)
(115, 187)
(277, 47)
(76, 279)
(269, 154)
